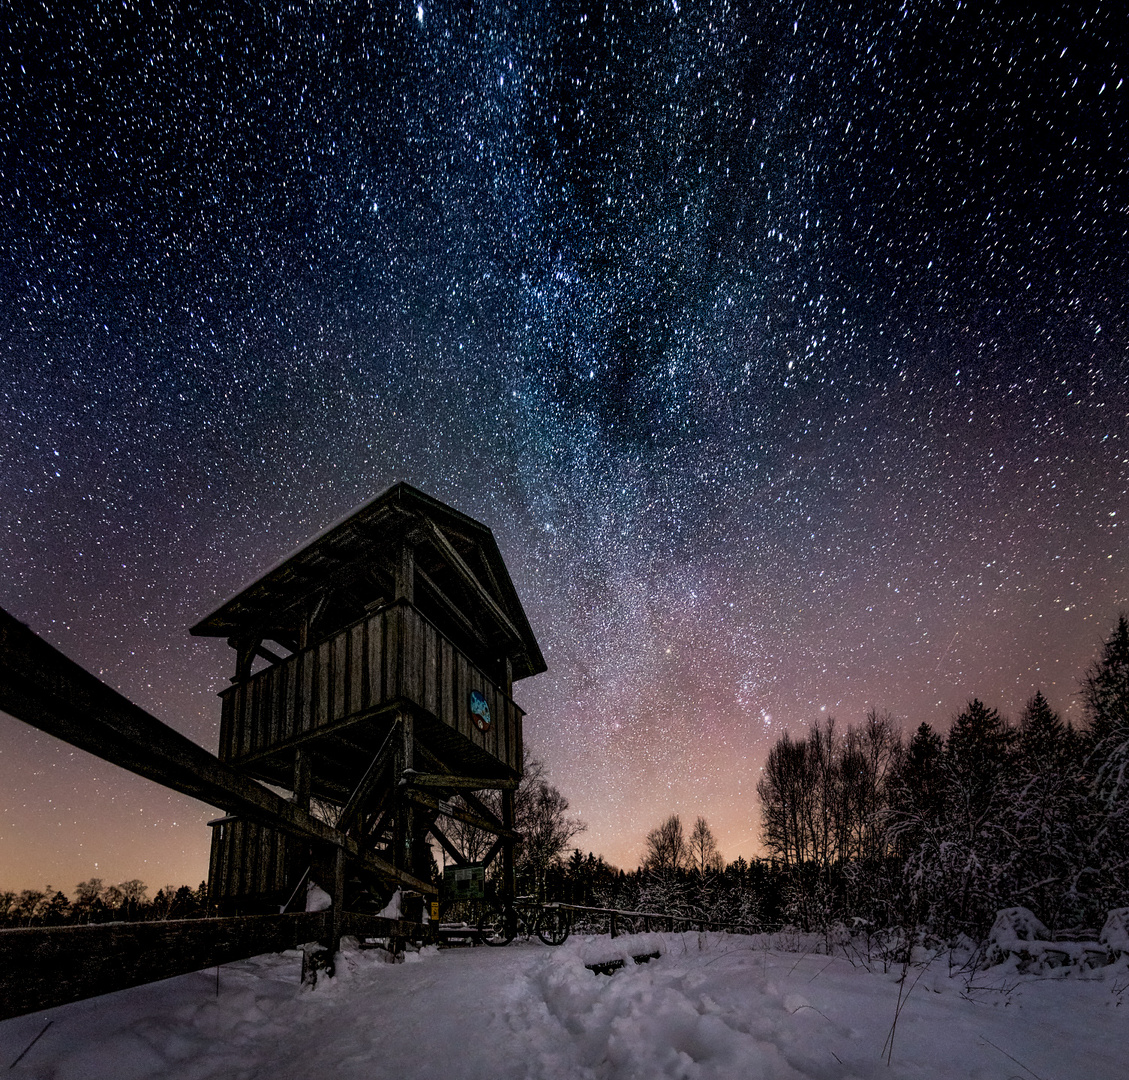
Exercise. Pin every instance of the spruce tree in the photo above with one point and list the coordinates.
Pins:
(1105, 691)
(976, 854)
(1049, 811)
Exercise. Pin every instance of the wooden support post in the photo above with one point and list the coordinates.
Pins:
(363, 792)
(302, 779)
(297, 849)
(508, 885)
(408, 732)
(245, 651)
(337, 912)
(407, 814)
(405, 574)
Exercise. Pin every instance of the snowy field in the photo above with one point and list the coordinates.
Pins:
(709, 1006)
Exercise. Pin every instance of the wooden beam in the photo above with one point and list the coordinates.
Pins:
(443, 780)
(49, 691)
(459, 814)
(404, 588)
(432, 760)
(315, 612)
(381, 816)
(266, 654)
(363, 791)
(447, 846)
(435, 764)
(481, 594)
(246, 649)
(475, 803)
(302, 778)
(495, 847)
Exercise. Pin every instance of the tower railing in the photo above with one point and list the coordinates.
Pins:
(393, 655)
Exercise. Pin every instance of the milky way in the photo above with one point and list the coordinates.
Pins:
(784, 352)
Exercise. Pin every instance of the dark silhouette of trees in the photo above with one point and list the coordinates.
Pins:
(702, 853)
(794, 819)
(942, 832)
(1105, 693)
(823, 798)
(666, 850)
(1048, 813)
(541, 817)
(97, 902)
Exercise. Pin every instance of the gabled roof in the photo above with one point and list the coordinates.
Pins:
(369, 534)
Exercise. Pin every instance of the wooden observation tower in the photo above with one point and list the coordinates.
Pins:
(373, 678)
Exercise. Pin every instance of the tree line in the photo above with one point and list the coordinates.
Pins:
(942, 831)
(867, 827)
(96, 902)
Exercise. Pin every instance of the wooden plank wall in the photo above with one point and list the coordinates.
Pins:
(248, 862)
(394, 653)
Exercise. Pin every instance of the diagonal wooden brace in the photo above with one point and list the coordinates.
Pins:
(457, 812)
(447, 846)
(363, 791)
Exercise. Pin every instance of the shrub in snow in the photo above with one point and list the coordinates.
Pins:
(625, 948)
(1115, 933)
(1013, 929)
(1017, 924)
(1019, 938)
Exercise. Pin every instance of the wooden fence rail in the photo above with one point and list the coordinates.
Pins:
(45, 966)
(651, 919)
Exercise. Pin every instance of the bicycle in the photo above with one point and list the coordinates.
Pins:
(499, 923)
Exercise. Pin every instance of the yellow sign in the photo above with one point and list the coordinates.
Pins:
(434, 910)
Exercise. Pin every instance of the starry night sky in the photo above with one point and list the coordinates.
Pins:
(784, 351)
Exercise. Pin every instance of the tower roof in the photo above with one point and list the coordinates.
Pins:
(455, 555)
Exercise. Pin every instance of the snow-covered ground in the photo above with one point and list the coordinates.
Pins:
(709, 1006)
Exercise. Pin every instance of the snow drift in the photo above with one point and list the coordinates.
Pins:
(710, 1007)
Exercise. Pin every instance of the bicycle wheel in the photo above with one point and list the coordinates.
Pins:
(497, 926)
(553, 926)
